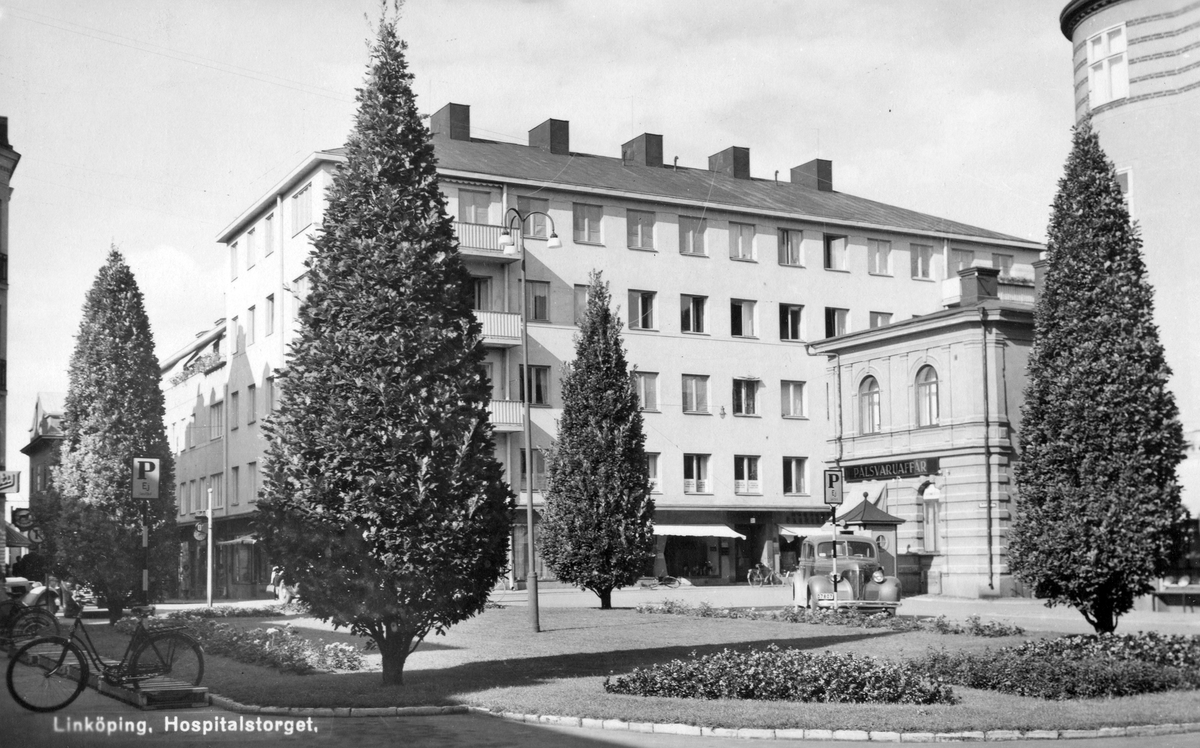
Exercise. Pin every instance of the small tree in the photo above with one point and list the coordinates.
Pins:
(383, 498)
(597, 527)
(113, 413)
(1100, 514)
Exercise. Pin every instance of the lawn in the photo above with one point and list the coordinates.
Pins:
(494, 660)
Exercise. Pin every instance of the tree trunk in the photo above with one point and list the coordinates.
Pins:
(395, 648)
(115, 611)
(605, 598)
(1102, 618)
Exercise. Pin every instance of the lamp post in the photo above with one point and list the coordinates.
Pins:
(513, 242)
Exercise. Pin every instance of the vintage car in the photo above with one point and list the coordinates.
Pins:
(860, 580)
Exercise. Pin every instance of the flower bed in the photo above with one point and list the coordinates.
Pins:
(827, 617)
(785, 675)
(240, 611)
(278, 647)
(1076, 667)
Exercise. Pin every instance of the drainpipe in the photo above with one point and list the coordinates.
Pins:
(987, 459)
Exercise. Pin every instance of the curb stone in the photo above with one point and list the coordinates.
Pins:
(674, 728)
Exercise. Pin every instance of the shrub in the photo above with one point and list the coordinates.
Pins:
(830, 617)
(239, 611)
(785, 675)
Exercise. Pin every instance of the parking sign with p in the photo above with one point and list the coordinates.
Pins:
(145, 478)
(833, 487)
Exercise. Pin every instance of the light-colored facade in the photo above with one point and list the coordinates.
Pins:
(722, 279)
(1136, 74)
(8, 165)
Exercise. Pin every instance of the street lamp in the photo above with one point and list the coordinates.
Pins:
(513, 242)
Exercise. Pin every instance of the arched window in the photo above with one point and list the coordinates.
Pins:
(868, 406)
(927, 396)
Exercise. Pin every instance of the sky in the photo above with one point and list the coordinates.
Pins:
(152, 125)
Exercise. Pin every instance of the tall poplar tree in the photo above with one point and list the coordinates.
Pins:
(1099, 516)
(114, 413)
(597, 529)
(383, 498)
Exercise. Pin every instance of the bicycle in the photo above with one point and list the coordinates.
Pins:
(48, 673)
(665, 581)
(20, 622)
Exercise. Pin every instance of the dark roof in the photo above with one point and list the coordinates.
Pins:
(867, 513)
(508, 160)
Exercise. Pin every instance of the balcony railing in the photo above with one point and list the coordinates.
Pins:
(481, 240)
(501, 329)
(506, 415)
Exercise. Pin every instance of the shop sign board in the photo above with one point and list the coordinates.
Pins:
(896, 469)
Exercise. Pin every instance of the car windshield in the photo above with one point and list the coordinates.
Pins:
(846, 549)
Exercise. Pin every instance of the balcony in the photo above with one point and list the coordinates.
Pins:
(481, 241)
(500, 329)
(507, 416)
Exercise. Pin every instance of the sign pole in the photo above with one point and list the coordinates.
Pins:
(834, 483)
(145, 487)
(209, 546)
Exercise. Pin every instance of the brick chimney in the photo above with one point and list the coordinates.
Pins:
(645, 150)
(552, 135)
(453, 120)
(978, 284)
(734, 162)
(815, 175)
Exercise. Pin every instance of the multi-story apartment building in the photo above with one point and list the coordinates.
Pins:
(8, 165)
(722, 279)
(1136, 76)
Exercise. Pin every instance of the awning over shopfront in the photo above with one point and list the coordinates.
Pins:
(798, 531)
(240, 540)
(14, 538)
(698, 531)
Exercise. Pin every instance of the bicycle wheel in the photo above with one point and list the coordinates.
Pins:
(672, 582)
(46, 674)
(32, 623)
(169, 654)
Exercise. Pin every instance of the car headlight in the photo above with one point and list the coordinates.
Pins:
(877, 576)
(834, 577)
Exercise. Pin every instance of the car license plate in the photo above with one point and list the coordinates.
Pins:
(824, 595)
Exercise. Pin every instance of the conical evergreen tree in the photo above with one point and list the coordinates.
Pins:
(383, 498)
(1100, 512)
(597, 529)
(113, 413)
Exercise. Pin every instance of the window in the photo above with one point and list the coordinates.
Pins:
(251, 324)
(879, 257)
(691, 235)
(879, 319)
(868, 406)
(251, 404)
(792, 400)
(641, 310)
(197, 499)
(961, 259)
(473, 206)
(837, 321)
(538, 301)
(250, 249)
(695, 474)
(741, 241)
(791, 248)
(581, 300)
(183, 498)
(535, 226)
(302, 209)
(269, 235)
(795, 475)
(301, 288)
(233, 410)
(639, 229)
(652, 472)
(691, 310)
(481, 294)
(835, 252)
(695, 393)
(646, 385)
(271, 403)
(745, 474)
(216, 485)
(269, 321)
(587, 223)
(1108, 70)
(927, 397)
(922, 261)
(235, 487)
(541, 384)
(791, 322)
(741, 318)
(1003, 263)
(216, 420)
(1124, 181)
(744, 397)
(539, 471)
(252, 481)
(233, 261)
